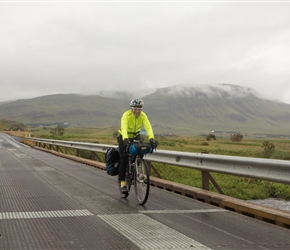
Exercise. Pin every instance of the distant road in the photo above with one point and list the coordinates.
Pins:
(49, 202)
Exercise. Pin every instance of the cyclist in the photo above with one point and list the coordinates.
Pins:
(131, 122)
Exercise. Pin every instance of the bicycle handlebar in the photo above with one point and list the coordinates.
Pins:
(154, 144)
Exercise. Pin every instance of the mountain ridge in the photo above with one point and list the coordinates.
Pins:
(177, 109)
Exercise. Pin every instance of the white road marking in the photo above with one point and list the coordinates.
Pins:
(181, 211)
(44, 214)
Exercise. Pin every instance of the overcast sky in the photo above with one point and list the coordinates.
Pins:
(49, 47)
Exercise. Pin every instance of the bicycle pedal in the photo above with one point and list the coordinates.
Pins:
(124, 190)
(141, 178)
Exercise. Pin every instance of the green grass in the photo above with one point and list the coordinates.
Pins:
(104, 136)
(238, 187)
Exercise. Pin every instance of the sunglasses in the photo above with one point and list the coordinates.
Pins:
(137, 109)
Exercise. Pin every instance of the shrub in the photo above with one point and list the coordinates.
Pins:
(115, 134)
(236, 137)
(210, 136)
(57, 131)
(269, 149)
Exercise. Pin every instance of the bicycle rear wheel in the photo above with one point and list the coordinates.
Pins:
(141, 181)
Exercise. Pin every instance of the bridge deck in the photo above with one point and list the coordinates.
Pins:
(48, 202)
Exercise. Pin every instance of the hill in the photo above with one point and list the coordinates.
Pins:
(220, 108)
(178, 109)
(71, 109)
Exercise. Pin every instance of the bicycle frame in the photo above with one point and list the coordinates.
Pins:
(137, 173)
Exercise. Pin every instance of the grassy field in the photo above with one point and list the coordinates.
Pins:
(242, 188)
(248, 147)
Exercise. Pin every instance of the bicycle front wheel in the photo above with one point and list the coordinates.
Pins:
(141, 181)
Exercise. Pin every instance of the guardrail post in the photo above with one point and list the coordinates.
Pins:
(205, 179)
(150, 165)
(58, 149)
(93, 156)
(98, 158)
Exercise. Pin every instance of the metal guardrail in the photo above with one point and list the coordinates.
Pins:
(257, 168)
(264, 169)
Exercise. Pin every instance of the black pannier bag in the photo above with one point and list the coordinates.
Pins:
(112, 158)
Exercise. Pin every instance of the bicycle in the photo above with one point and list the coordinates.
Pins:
(137, 171)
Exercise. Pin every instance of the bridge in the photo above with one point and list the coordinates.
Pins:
(51, 202)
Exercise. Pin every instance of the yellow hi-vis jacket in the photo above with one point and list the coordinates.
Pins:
(131, 125)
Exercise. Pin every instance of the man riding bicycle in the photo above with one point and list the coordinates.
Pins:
(131, 122)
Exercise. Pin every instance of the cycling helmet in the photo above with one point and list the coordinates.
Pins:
(137, 103)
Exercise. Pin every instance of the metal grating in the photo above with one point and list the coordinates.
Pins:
(148, 233)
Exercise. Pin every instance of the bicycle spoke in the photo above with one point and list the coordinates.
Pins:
(142, 182)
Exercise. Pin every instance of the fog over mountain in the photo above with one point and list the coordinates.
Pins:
(187, 90)
(181, 109)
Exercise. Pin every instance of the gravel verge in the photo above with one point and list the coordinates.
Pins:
(275, 203)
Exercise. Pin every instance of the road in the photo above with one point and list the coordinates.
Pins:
(49, 202)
